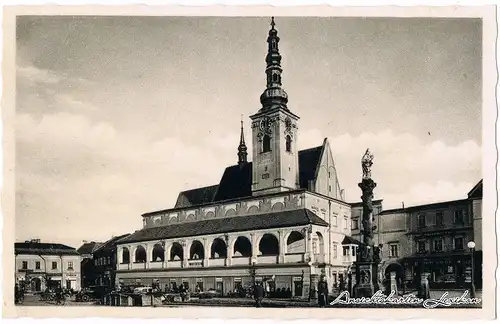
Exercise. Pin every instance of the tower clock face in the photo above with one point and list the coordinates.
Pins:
(265, 124)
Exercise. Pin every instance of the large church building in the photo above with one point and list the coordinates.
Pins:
(280, 218)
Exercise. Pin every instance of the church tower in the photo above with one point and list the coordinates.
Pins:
(275, 164)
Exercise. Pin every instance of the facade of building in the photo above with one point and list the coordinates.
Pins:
(281, 218)
(86, 252)
(40, 265)
(390, 234)
(432, 239)
(476, 202)
(104, 262)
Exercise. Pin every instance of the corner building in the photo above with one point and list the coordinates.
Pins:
(281, 218)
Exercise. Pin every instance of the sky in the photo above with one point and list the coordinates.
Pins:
(116, 115)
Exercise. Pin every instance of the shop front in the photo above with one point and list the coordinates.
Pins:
(452, 271)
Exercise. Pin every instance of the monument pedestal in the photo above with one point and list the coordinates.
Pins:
(366, 279)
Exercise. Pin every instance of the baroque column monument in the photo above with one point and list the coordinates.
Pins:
(368, 254)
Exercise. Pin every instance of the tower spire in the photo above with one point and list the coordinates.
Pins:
(274, 96)
(242, 148)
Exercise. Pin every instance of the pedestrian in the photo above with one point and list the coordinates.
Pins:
(258, 294)
(322, 292)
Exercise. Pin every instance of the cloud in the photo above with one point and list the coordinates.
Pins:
(38, 75)
(406, 168)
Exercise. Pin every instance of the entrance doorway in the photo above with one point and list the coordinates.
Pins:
(219, 287)
(36, 284)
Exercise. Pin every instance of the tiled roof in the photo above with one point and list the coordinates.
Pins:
(44, 248)
(88, 248)
(350, 240)
(196, 196)
(226, 225)
(308, 162)
(109, 244)
(431, 206)
(236, 182)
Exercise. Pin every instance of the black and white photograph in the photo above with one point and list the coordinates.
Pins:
(261, 162)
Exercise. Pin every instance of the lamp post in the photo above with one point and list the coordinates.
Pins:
(471, 245)
(253, 271)
(310, 281)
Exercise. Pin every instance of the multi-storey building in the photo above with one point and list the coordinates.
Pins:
(390, 234)
(429, 238)
(476, 202)
(104, 262)
(438, 235)
(86, 252)
(280, 218)
(39, 265)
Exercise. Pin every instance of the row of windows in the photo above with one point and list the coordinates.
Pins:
(423, 221)
(102, 261)
(54, 265)
(459, 218)
(336, 223)
(437, 245)
(266, 144)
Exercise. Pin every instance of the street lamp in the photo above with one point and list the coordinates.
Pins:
(471, 245)
(310, 281)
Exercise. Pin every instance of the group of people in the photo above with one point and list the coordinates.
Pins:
(259, 292)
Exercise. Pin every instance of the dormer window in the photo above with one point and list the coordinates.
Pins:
(266, 144)
(288, 143)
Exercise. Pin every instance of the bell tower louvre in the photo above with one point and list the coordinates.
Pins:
(274, 131)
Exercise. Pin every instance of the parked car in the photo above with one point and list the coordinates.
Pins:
(209, 294)
(142, 290)
(92, 293)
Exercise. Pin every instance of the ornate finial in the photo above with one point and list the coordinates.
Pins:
(366, 164)
(242, 148)
(274, 96)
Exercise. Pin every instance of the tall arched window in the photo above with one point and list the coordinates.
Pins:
(288, 143)
(266, 144)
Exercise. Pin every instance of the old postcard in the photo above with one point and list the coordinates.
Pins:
(316, 159)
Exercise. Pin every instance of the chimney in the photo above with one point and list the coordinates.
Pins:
(403, 203)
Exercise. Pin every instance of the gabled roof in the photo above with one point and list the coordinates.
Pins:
(88, 247)
(44, 249)
(227, 225)
(236, 182)
(196, 196)
(477, 191)
(308, 164)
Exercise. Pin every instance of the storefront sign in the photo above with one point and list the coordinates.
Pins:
(297, 278)
(237, 279)
(172, 280)
(258, 278)
(218, 279)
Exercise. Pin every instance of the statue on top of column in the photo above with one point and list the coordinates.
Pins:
(366, 163)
